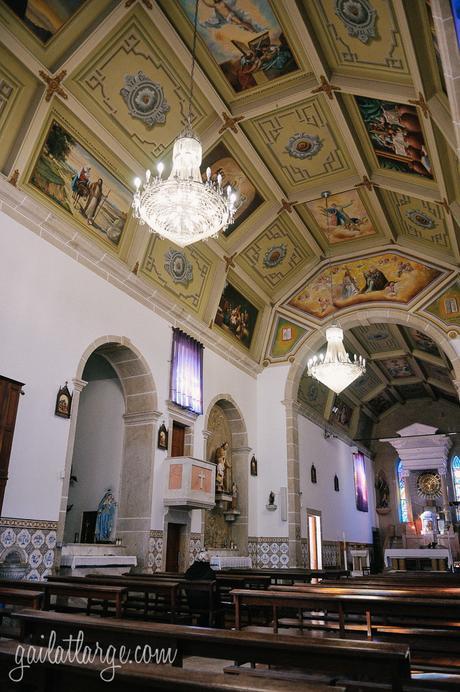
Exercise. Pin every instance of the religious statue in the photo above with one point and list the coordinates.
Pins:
(234, 496)
(105, 516)
(222, 465)
(271, 498)
(383, 491)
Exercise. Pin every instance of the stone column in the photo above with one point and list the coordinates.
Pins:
(206, 435)
(240, 463)
(136, 483)
(445, 493)
(294, 515)
(78, 386)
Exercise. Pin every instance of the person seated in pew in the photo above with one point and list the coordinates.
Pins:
(200, 570)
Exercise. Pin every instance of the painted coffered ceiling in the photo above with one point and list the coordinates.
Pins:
(292, 99)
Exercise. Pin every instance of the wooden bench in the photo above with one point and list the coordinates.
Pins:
(72, 677)
(21, 597)
(387, 663)
(343, 604)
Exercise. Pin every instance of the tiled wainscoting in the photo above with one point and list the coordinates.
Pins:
(196, 545)
(33, 540)
(155, 555)
(331, 554)
(269, 552)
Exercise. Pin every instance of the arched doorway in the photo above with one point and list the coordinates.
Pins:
(313, 343)
(138, 432)
(224, 425)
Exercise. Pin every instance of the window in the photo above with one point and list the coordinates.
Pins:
(186, 385)
(402, 493)
(455, 468)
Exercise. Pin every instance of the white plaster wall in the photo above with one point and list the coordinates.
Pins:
(97, 451)
(51, 309)
(271, 453)
(338, 509)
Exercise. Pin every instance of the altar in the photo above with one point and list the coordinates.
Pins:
(395, 558)
(79, 559)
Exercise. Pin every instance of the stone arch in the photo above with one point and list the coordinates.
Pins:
(140, 418)
(311, 345)
(240, 461)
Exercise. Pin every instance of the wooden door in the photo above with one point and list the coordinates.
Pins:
(173, 547)
(9, 399)
(178, 440)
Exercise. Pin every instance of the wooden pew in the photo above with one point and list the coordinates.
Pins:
(72, 677)
(111, 593)
(166, 593)
(27, 598)
(343, 604)
(386, 663)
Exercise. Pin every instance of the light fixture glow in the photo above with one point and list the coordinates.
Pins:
(335, 369)
(183, 208)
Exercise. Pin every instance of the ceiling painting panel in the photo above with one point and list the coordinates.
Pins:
(366, 384)
(415, 390)
(396, 136)
(238, 314)
(382, 278)
(341, 414)
(287, 335)
(446, 308)
(185, 272)
(18, 88)
(50, 29)
(245, 39)
(81, 179)
(397, 368)
(136, 91)
(275, 256)
(381, 403)
(223, 162)
(438, 373)
(313, 394)
(422, 342)
(300, 144)
(360, 37)
(377, 338)
(340, 218)
(418, 219)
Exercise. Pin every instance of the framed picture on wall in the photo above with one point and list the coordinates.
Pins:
(63, 402)
(162, 437)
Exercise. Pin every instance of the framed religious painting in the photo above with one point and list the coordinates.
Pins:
(63, 402)
(162, 437)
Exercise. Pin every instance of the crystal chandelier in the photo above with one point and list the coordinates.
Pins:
(335, 369)
(183, 208)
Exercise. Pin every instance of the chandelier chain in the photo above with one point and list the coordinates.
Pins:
(192, 71)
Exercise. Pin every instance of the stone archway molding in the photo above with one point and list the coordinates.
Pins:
(140, 422)
(310, 346)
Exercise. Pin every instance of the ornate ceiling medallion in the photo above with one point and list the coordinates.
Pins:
(429, 484)
(304, 146)
(178, 267)
(359, 18)
(145, 99)
(274, 256)
(420, 218)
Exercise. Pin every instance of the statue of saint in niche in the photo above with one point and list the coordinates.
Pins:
(223, 468)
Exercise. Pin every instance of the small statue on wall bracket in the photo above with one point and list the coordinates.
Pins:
(253, 466)
(313, 474)
(336, 483)
(271, 502)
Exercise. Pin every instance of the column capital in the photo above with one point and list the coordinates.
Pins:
(207, 434)
(78, 384)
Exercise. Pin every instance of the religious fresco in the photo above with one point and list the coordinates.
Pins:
(447, 307)
(396, 136)
(416, 390)
(72, 178)
(286, 336)
(435, 43)
(220, 160)
(341, 413)
(366, 384)
(312, 393)
(44, 19)
(380, 403)
(236, 315)
(385, 278)
(436, 372)
(245, 39)
(397, 368)
(376, 338)
(341, 217)
(422, 342)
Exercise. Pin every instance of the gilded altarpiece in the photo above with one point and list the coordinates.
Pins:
(217, 532)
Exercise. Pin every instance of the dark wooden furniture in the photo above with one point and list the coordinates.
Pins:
(21, 597)
(46, 677)
(10, 391)
(386, 663)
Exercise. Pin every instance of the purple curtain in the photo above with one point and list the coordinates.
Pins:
(186, 385)
(359, 470)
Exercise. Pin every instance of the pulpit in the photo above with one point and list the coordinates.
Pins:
(190, 483)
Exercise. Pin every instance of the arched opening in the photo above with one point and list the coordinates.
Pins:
(225, 434)
(111, 448)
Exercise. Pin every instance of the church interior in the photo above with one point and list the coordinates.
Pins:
(230, 344)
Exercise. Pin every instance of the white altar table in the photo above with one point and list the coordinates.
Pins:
(75, 561)
(433, 554)
(230, 562)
